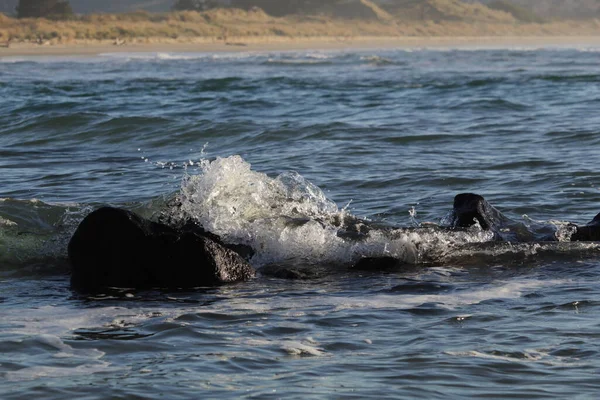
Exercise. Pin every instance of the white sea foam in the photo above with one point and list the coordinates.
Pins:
(324, 304)
(53, 59)
(451, 300)
(141, 56)
(588, 49)
(51, 323)
(320, 56)
(285, 217)
(303, 348)
(58, 321)
(527, 356)
(11, 59)
(306, 61)
(168, 56)
(377, 60)
(299, 349)
(288, 217)
(138, 57)
(48, 326)
(36, 372)
(176, 56)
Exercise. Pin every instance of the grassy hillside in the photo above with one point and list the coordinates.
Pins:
(549, 9)
(363, 18)
(219, 24)
(557, 9)
(520, 13)
(364, 9)
(446, 10)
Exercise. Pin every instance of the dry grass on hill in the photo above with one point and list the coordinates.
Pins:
(413, 18)
(360, 9)
(447, 10)
(218, 24)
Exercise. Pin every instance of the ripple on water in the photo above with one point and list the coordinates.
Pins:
(389, 130)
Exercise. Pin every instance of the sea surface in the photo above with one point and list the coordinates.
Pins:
(248, 141)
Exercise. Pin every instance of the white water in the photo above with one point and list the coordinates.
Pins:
(288, 217)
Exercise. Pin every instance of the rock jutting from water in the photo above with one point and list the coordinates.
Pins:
(472, 211)
(113, 247)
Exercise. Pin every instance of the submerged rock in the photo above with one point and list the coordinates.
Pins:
(290, 272)
(113, 247)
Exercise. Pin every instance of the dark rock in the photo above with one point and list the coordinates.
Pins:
(171, 216)
(588, 232)
(290, 272)
(116, 248)
(193, 227)
(470, 208)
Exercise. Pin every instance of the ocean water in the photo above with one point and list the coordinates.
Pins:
(251, 141)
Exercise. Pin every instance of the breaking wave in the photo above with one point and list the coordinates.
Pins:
(284, 219)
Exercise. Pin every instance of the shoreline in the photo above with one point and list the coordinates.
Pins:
(267, 43)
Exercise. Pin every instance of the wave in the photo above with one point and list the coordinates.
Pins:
(588, 49)
(380, 61)
(156, 56)
(285, 219)
(492, 105)
(297, 62)
(267, 57)
(579, 78)
(33, 236)
(44, 59)
(123, 57)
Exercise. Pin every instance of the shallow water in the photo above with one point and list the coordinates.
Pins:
(374, 134)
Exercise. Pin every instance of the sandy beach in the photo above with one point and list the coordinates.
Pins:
(242, 44)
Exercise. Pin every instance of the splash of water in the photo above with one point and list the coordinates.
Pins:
(288, 217)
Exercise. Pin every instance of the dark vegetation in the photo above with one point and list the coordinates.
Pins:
(51, 9)
(556, 9)
(520, 13)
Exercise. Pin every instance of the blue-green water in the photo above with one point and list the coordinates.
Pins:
(372, 133)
